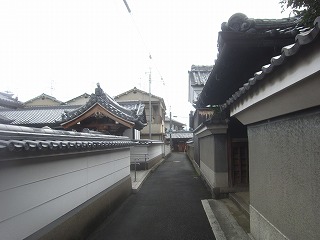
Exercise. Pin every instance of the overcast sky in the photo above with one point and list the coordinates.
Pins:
(64, 47)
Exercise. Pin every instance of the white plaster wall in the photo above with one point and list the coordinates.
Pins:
(139, 150)
(167, 150)
(35, 192)
(154, 150)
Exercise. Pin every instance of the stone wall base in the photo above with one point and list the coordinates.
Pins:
(261, 228)
(142, 165)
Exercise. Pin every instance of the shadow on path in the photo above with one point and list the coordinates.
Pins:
(168, 206)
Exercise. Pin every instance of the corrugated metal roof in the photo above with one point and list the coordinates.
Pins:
(287, 51)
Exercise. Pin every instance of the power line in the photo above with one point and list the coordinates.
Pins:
(143, 41)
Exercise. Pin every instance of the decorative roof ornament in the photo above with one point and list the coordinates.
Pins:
(239, 22)
(109, 105)
(99, 92)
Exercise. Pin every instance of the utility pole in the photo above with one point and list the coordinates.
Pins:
(150, 107)
(170, 130)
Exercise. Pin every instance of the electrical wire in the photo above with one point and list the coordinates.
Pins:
(143, 41)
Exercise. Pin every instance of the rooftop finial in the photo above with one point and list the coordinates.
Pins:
(98, 90)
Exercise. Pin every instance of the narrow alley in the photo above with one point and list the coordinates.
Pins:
(168, 206)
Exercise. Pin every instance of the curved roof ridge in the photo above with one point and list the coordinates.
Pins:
(287, 51)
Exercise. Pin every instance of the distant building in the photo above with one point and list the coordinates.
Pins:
(179, 139)
(158, 111)
(198, 76)
(99, 113)
(80, 100)
(43, 100)
(175, 125)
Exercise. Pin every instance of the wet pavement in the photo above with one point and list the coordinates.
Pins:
(168, 206)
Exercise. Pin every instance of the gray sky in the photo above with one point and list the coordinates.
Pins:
(64, 47)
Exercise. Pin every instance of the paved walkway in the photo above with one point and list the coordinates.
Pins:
(167, 207)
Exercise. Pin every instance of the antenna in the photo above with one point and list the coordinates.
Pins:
(51, 87)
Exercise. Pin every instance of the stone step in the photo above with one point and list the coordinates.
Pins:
(224, 225)
(241, 203)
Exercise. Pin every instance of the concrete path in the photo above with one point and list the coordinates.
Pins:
(168, 206)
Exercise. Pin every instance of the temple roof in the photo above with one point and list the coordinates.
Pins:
(244, 46)
(103, 101)
(301, 40)
(131, 112)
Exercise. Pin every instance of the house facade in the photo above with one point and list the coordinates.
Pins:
(175, 125)
(158, 110)
(43, 100)
(198, 76)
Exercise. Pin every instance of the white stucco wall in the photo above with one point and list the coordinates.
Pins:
(36, 191)
(152, 151)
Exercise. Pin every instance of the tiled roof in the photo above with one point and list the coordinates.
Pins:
(184, 135)
(111, 105)
(287, 51)
(239, 22)
(137, 107)
(5, 120)
(198, 75)
(37, 116)
(244, 46)
(7, 101)
(34, 116)
(16, 139)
